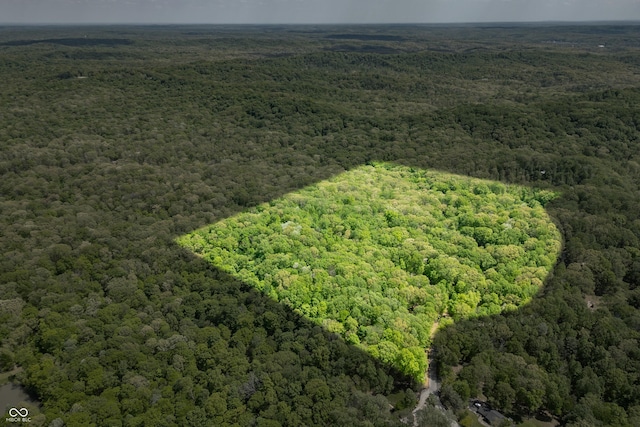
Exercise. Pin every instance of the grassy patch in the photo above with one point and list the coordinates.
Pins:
(379, 253)
(470, 420)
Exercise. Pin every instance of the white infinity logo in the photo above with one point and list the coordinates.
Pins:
(22, 412)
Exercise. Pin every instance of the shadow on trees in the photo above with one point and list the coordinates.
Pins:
(532, 358)
(265, 329)
(102, 203)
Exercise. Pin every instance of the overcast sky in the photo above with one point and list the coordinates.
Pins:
(313, 11)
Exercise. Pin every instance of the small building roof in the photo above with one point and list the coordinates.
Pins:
(495, 418)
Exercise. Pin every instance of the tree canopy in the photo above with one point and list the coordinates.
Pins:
(116, 141)
(379, 253)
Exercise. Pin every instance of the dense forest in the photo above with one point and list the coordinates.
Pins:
(380, 253)
(116, 141)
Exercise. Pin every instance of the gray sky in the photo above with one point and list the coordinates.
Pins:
(313, 11)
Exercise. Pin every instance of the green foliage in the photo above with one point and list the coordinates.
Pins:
(469, 419)
(173, 128)
(349, 253)
(430, 416)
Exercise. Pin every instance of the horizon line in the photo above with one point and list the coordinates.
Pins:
(452, 23)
